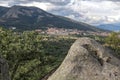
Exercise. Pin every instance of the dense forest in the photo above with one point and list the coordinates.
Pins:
(31, 55)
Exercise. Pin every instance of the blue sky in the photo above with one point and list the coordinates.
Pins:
(90, 11)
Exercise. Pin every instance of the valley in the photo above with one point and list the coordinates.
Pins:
(38, 45)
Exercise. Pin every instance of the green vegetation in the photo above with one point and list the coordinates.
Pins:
(30, 55)
(113, 42)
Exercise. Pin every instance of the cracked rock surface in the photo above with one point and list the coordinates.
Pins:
(88, 60)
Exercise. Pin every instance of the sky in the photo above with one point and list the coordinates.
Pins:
(94, 12)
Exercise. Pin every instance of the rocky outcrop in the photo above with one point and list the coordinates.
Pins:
(88, 60)
(4, 72)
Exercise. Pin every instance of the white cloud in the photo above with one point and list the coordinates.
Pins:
(44, 6)
(93, 12)
(71, 16)
(96, 12)
(3, 3)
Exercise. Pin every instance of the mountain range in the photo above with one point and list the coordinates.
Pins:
(111, 27)
(30, 18)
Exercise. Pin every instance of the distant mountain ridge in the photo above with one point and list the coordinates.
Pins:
(30, 18)
(111, 27)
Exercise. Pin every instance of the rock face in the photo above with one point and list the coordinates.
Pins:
(88, 60)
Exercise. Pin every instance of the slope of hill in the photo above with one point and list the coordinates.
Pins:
(28, 18)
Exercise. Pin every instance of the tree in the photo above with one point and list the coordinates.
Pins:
(31, 55)
(4, 69)
(113, 41)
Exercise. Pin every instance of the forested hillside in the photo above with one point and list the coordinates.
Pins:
(31, 55)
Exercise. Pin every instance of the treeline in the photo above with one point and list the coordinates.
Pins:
(30, 55)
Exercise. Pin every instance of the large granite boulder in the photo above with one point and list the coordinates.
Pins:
(88, 60)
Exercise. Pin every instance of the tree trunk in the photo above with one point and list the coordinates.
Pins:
(4, 71)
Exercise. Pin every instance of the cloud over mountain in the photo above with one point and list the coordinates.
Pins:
(90, 11)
